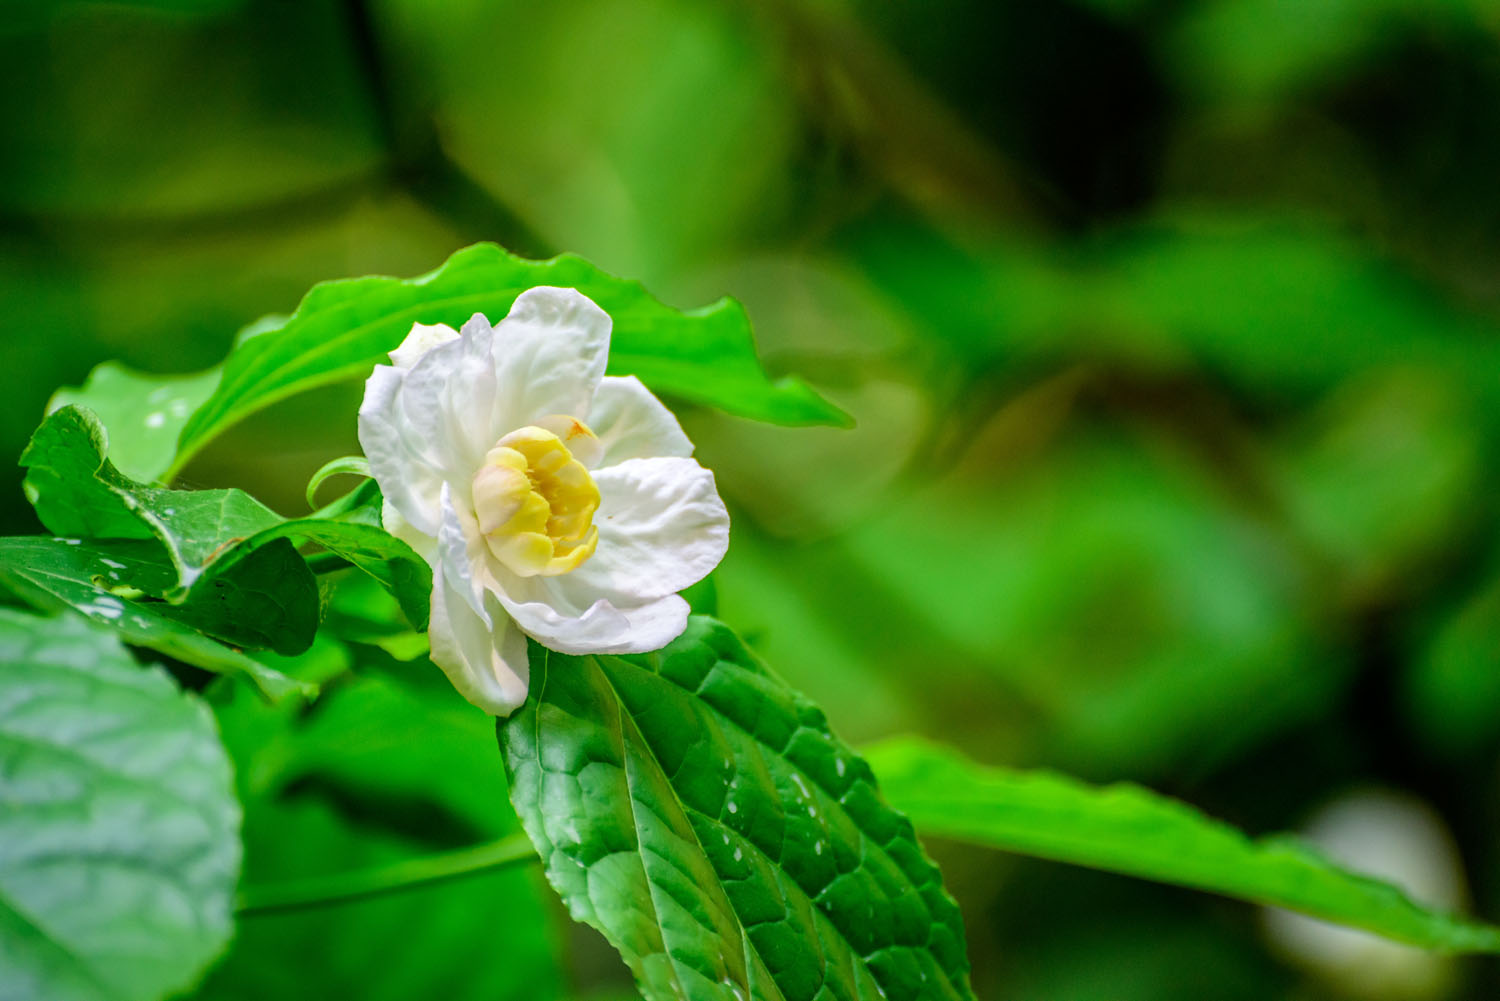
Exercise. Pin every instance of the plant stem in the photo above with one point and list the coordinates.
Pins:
(324, 891)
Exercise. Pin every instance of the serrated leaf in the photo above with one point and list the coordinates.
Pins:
(119, 830)
(95, 578)
(1127, 829)
(238, 575)
(344, 328)
(144, 413)
(700, 814)
(78, 492)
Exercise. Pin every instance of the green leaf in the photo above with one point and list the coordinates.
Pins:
(370, 548)
(344, 328)
(1127, 829)
(96, 578)
(238, 577)
(350, 527)
(700, 814)
(263, 597)
(119, 826)
(144, 413)
(78, 492)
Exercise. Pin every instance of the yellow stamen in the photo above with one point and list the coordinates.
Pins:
(536, 502)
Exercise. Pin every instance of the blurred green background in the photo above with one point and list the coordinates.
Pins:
(1172, 331)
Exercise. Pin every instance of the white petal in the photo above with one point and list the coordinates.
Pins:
(422, 338)
(462, 554)
(485, 660)
(552, 614)
(395, 523)
(401, 462)
(632, 424)
(448, 401)
(662, 527)
(549, 356)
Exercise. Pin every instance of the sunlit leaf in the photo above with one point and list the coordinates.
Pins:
(235, 563)
(143, 413)
(78, 492)
(94, 578)
(344, 328)
(119, 831)
(700, 814)
(1128, 829)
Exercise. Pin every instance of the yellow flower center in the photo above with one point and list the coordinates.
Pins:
(535, 501)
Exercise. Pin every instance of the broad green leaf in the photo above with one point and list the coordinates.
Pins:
(369, 547)
(261, 595)
(233, 559)
(344, 328)
(265, 597)
(119, 830)
(79, 492)
(351, 527)
(143, 413)
(700, 814)
(1128, 829)
(95, 578)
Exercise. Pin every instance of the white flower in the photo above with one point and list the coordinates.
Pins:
(551, 500)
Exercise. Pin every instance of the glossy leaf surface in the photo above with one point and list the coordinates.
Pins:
(342, 329)
(700, 814)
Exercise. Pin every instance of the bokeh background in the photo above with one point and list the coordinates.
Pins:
(1172, 332)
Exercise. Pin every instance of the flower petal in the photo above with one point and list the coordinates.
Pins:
(401, 462)
(551, 612)
(662, 527)
(631, 423)
(448, 401)
(549, 355)
(422, 338)
(485, 660)
(462, 554)
(395, 522)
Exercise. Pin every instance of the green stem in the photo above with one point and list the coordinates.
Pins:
(323, 891)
